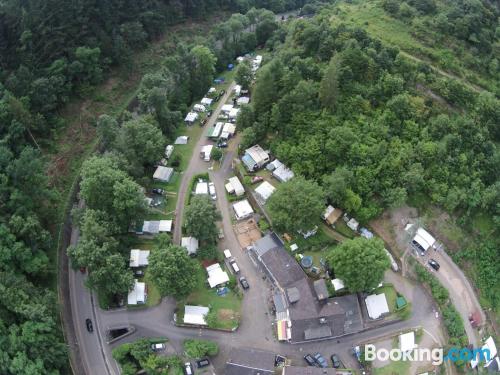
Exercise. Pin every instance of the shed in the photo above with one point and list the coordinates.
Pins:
(137, 296)
(139, 258)
(376, 304)
(195, 315)
(242, 209)
(206, 151)
(423, 240)
(237, 89)
(293, 294)
(216, 276)
(332, 214)
(353, 224)
(165, 226)
(255, 157)
(215, 131)
(190, 244)
(283, 174)
(182, 140)
(191, 117)
(206, 101)
(407, 342)
(338, 284)
(199, 108)
(265, 190)
(226, 108)
(169, 150)
(234, 186)
(163, 174)
(211, 90)
(201, 188)
(233, 113)
(321, 289)
(243, 100)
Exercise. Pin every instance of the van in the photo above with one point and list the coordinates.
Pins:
(227, 254)
(236, 269)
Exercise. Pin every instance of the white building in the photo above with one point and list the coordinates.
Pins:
(190, 244)
(338, 284)
(376, 304)
(423, 240)
(199, 108)
(201, 188)
(206, 101)
(407, 342)
(139, 258)
(216, 276)
(242, 209)
(234, 186)
(243, 100)
(255, 158)
(206, 151)
(157, 226)
(226, 108)
(163, 174)
(233, 113)
(237, 90)
(353, 224)
(195, 315)
(191, 117)
(168, 151)
(265, 190)
(182, 140)
(228, 130)
(283, 174)
(137, 296)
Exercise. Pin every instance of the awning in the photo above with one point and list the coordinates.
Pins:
(283, 331)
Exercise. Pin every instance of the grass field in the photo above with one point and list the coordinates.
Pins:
(395, 368)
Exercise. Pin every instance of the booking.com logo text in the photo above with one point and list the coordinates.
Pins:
(436, 355)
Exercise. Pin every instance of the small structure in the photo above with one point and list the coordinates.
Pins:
(242, 209)
(376, 304)
(137, 296)
(366, 233)
(237, 90)
(353, 224)
(216, 276)
(283, 174)
(168, 151)
(138, 258)
(191, 118)
(226, 108)
(199, 108)
(332, 214)
(233, 113)
(206, 151)
(163, 174)
(294, 247)
(157, 226)
(407, 342)
(265, 190)
(206, 101)
(394, 265)
(273, 165)
(243, 100)
(190, 244)
(234, 186)
(338, 284)
(423, 240)
(228, 130)
(255, 158)
(215, 131)
(201, 188)
(195, 315)
(211, 90)
(182, 140)
(321, 289)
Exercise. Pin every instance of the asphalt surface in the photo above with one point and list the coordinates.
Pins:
(256, 328)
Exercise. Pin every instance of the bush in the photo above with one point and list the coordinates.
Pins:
(175, 161)
(200, 348)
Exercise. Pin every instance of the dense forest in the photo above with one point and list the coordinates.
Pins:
(376, 129)
(50, 53)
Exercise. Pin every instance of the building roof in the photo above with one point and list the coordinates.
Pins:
(321, 289)
(165, 225)
(215, 131)
(257, 154)
(338, 284)
(295, 370)
(139, 258)
(226, 108)
(353, 224)
(233, 113)
(199, 107)
(242, 209)
(191, 117)
(190, 244)
(265, 190)
(201, 188)
(234, 186)
(283, 174)
(273, 165)
(163, 173)
(293, 294)
(229, 128)
(407, 341)
(216, 276)
(332, 214)
(243, 100)
(206, 101)
(245, 361)
(266, 243)
(195, 315)
(376, 304)
(182, 140)
(424, 239)
(138, 294)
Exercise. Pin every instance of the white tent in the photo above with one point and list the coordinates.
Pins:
(243, 100)
(139, 258)
(216, 276)
(265, 190)
(169, 150)
(424, 239)
(376, 304)
(338, 284)
(234, 186)
(190, 244)
(206, 101)
(407, 342)
(242, 209)
(206, 151)
(195, 315)
(226, 108)
(233, 113)
(163, 174)
(201, 188)
(182, 140)
(138, 294)
(199, 108)
(283, 174)
(191, 117)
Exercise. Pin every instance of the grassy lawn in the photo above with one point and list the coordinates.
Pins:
(395, 368)
(341, 227)
(154, 297)
(390, 295)
(317, 243)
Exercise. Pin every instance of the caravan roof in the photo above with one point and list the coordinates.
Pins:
(424, 239)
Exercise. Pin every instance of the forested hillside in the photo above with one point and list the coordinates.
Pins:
(356, 115)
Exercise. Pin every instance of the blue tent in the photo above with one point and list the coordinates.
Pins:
(230, 67)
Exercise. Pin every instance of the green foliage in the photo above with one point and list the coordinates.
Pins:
(202, 70)
(172, 270)
(216, 154)
(201, 216)
(209, 252)
(360, 262)
(200, 348)
(243, 75)
(307, 200)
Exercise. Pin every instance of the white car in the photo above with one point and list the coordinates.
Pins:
(211, 189)
(188, 368)
(158, 347)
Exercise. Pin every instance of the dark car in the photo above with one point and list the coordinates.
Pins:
(222, 144)
(204, 362)
(310, 360)
(244, 282)
(209, 113)
(88, 323)
(335, 360)
(222, 92)
(320, 360)
(158, 191)
(139, 273)
(434, 264)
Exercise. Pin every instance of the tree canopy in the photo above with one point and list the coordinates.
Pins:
(195, 348)
(201, 216)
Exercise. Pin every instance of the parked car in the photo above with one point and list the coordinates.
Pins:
(434, 264)
(256, 179)
(158, 191)
(335, 360)
(310, 360)
(222, 92)
(89, 325)
(222, 144)
(204, 362)
(211, 189)
(320, 360)
(227, 254)
(158, 347)
(244, 282)
(209, 113)
(188, 368)
(139, 273)
(236, 269)
(221, 234)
